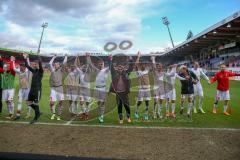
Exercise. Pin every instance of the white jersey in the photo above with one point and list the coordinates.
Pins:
(171, 76)
(101, 78)
(83, 81)
(158, 79)
(143, 79)
(56, 74)
(24, 78)
(72, 79)
(199, 72)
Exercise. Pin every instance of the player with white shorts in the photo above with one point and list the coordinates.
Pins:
(72, 94)
(143, 87)
(170, 90)
(56, 95)
(8, 95)
(222, 77)
(222, 95)
(198, 90)
(159, 93)
(144, 94)
(72, 86)
(171, 96)
(102, 73)
(84, 92)
(159, 88)
(23, 96)
(24, 87)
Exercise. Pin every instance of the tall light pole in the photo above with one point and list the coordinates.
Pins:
(44, 25)
(166, 22)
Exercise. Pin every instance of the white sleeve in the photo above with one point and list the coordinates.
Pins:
(91, 65)
(154, 64)
(172, 73)
(28, 72)
(107, 69)
(65, 60)
(179, 77)
(204, 75)
(17, 70)
(28, 61)
(78, 70)
(51, 64)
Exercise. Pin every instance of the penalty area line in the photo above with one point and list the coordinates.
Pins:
(122, 126)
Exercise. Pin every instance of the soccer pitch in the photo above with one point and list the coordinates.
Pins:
(207, 120)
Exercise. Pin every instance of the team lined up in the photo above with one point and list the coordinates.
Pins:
(78, 77)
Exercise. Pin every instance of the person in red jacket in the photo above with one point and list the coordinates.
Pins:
(1, 72)
(222, 78)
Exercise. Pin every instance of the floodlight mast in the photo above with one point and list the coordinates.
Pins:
(166, 23)
(44, 25)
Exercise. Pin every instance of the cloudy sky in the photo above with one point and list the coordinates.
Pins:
(87, 25)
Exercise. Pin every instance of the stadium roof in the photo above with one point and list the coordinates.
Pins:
(225, 31)
(15, 52)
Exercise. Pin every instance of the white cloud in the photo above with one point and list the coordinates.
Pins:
(90, 24)
(16, 37)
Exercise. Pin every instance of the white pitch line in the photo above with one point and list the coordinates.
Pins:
(123, 127)
(71, 120)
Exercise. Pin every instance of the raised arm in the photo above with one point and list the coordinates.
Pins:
(153, 58)
(138, 60)
(40, 64)
(51, 63)
(64, 63)
(27, 63)
(107, 69)
(77, 64)
(89, 62)
(111, 68)
(65, 60)
(17, 70)
(12, 62)
(131, 65)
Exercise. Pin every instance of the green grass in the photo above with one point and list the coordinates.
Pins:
(111, 118)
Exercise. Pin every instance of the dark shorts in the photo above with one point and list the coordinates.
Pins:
(34, 95)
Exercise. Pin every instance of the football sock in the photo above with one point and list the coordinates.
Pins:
(200, 102)
(159, 109)
(189, 108)
(173, 107)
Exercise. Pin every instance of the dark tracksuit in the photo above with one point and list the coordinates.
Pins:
(121, 97)
(187, 85)
(36, 87)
